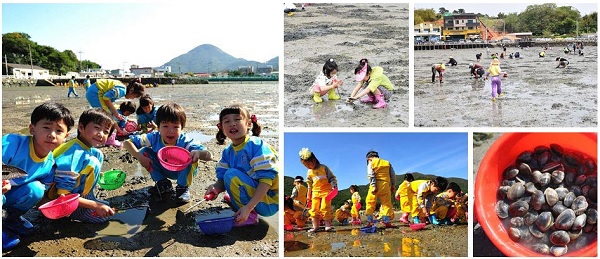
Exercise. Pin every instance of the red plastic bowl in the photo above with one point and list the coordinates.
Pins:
(417, 226)
(131, 126)
(174, 158)
(332, 194)
(489, 176)
(61, 207)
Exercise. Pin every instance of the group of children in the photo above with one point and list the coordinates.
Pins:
(433, 201)
(371, 82)
(247, 170)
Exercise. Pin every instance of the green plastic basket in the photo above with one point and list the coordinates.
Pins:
(111, 180)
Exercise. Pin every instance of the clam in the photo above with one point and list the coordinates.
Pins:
(517, 222)
(576, 189)
(545, 179)
(518, 209)
(585, 190)
(525, 157)
(570, 177)
(502, 190)
(549, 167)
(502, 209)
(541, 149)
(558, 250)
(565, 220)
(590, 164)
(530, 218)
(562, 192)
(592, 181)
(536, 176)
(558, 209)
(524, 169)
(579, 205)
(530, 187)
(593, 194)
(574, 234)
(543, 158)
(544, 221)
(579, 222)
(560, 238)
(557, 176)
(510, 172)
(537, 200)
(516, 191)
(592, 216)
(580, 179)
(536, 232)
(515, 234)
(571, 160)
(551, 196)
(541, 249)
(556, 150)
(569, 198)
(588, 228)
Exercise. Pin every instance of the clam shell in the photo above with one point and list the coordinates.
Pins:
(557, 176)
(558, 250)
(592, 216)
(537, 200)
(544, 221)
(565, 220)
(502, 209)
(579, 222)
(562, 192)
(530, 187)
(556, 150)
(517, 222)
(530, 218)
(536, 232)
(560, 238)
(541, 249)
(579, 205)
(545, 179)
(569, 198)
(551, 196)
(518, 209)
(516, 191)
(510, 172)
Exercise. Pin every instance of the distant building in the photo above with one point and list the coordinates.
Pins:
(93, 73)
(142, 71)
(24, 71)
(428, 32)
(160, 71)
(117, 72)
(202, 75)
(460, 26)
(246, 70)
(265, 71)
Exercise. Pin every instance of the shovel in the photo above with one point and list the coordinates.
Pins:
(10, 172)
(207, 197)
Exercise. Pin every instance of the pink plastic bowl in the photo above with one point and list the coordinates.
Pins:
(417, 226)
(174, 158)
(131, 126)
(332, 194)
(288, 227)
(61, 207)
(489, 176)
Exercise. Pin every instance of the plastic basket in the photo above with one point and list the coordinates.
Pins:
(370, 229)
(216, 226)
(113, 179)
(63, 206)
(174, 158)
(417, 226)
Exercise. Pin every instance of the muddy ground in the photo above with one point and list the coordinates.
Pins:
(536, 94)
(345, 33)
(433, 241)
(167, 229)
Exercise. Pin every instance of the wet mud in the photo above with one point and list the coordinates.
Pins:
(536, 94)
(167, 228)
(345, 33)
(432, 241)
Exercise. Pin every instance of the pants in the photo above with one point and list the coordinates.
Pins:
(385, 197)
(416, 211)
(87, 215)
(183, 177)
(433, 70)
(241, 188)
(496, 85)
(386, 93)
(354, 212)
(22, 198)
(71, 90)
(405, 203)
(320, 206)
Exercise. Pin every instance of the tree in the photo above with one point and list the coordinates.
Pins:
(588, 23)
(501, 15)
(16, 47)
(425, 15)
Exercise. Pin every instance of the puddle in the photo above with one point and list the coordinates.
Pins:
(336, 246)
(291, 246)
(301, 111)
(199, 136)
(125, 224)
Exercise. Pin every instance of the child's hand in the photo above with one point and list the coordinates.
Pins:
(5, 186)
(212, 191)
(425, 212)
(104, 211)
(242, 215)
(151, 125)
(374, 190)
(397, 197)
(203, 155)
(146, 162)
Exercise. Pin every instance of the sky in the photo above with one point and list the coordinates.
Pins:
(117, 35)
(492, 9)
(442, 154)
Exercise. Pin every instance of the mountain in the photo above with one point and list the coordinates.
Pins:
(208, 58)
(288, 185)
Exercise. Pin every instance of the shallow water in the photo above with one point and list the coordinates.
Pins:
(536, 94)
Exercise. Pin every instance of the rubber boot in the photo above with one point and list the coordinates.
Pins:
(315, 223)
(332, 95)
(434, 220)
(112, 141)
(386, 221)
(416, 220)
(317, 98)
(370, 220)
(328, 226)
(380, 102)
(370, 98)
(404, 218)
(9, 240)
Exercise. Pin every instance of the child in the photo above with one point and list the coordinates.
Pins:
(125, 109)
(495, 71)
(171, 121)
(377, 86)
(50, 124)
(440, 69)
(146, 114)
(326, 82)
(294, 213)
(462, 208)
(452, 62)
(478, 57)
(562, 62)
(78, 166)
(71, 85)
(476, 70)
(419, 190)
(248, 168)
(382, 180)
(299, 193)
(442, 207)
(342, 214)
(355, 205)
(87, 82)
(405, 197)
(320, 182)
(542, 54)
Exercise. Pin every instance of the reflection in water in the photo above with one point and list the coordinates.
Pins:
(497, 113)
(410, 247)
(355, 232)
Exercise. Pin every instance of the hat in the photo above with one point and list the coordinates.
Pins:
(372, 154)
(362, 73)
(495, 62)
(470, 65)
(450, 56)
(299, 179)
(349, 201)
(443, 66)
(305, 153)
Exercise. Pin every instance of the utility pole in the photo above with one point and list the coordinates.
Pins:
(30, 59)
(80, 66)
(6, 64)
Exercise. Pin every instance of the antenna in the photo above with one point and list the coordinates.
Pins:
(80, 66)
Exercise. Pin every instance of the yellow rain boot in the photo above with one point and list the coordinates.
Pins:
(332, 95)
(317, 97)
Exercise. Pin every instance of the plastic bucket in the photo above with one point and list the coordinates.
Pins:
(174, 158)
(111, 180)
(489, 176)
(216, 226)
(63, 206)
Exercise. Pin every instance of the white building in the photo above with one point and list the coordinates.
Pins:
(24, 71)
(142, 71)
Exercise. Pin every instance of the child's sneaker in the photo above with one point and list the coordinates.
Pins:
(161, 187)
(9, 240)
(501, 95)
(183, 194)
(19, 225)
(252, 220)
(493, 99)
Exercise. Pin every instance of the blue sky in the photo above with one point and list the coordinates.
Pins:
(443, 154)
(492, 9)
(118, 35)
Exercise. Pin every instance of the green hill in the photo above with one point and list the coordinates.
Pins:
(344, 194)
